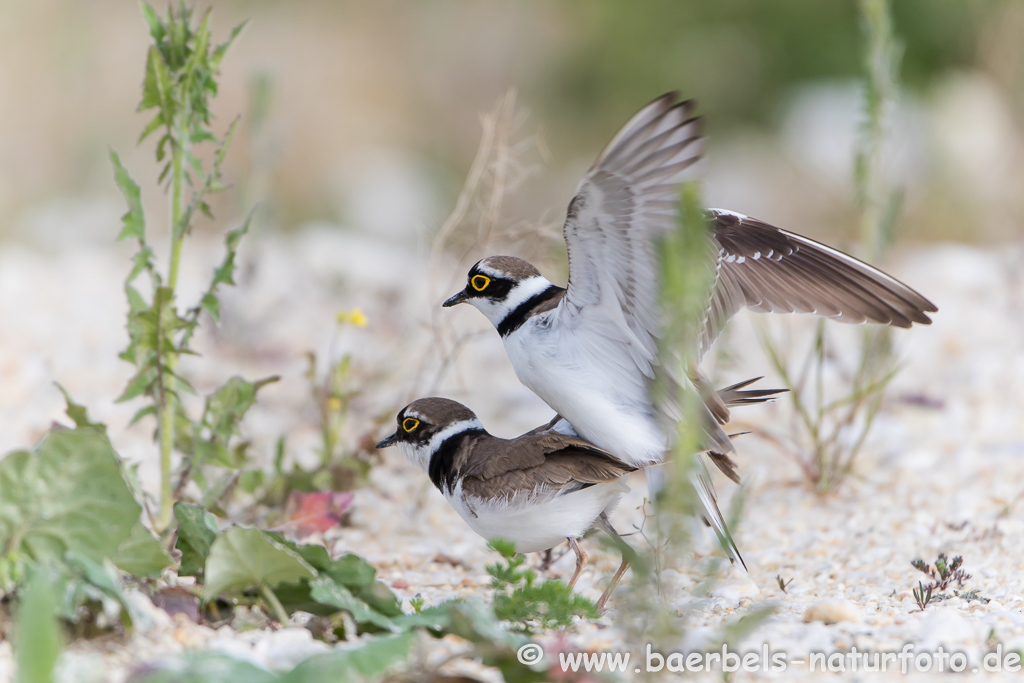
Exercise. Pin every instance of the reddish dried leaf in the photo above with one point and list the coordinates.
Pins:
(308, 513)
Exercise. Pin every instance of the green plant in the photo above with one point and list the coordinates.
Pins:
(923, 595)
(343, 468)
(182, 67)
(834, 428)
(943, 572)
(526, 604)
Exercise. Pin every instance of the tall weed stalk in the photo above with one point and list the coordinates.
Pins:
(182, 67)
(830, 432)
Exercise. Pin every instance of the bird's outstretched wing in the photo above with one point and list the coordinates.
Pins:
(771, 270)
(627, 199)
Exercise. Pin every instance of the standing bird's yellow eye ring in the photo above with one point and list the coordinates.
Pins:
(479, 282)
(410, 423)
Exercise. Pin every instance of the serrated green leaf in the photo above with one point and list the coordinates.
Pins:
(211, 304)
(133, 222)
(247, 558)
(138, 385)
(148, 410)
(156, 27)
(141, 554)
(152, 126)
(66, 495)
(200, 44)
(221, 50)
(78, 413)
(162, 82)
(141, 260)
(38, 640)
(367, 661)
(226, 406)
(161, 152)
(326, 592)
(197, 529)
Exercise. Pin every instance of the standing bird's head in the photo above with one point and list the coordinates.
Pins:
(425, 424)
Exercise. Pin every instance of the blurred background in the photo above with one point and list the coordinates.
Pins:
(367, 115)
(360, 123)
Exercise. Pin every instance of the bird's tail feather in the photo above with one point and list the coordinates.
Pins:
(705, 490)
(736, 395)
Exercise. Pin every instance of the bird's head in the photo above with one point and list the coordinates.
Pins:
(496, 285)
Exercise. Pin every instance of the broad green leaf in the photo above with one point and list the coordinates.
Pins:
(474, 621)
(326, 592)
(134, 221)
(197, 530)
(381, 598)
(68, 494)
(367, 660)
(37, 637)
(247, 558)
(141, 554)
(351, 570)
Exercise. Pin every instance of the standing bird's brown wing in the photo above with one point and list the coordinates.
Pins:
(545, 463)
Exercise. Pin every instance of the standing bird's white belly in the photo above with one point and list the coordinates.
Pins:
(536, 524)
(610, 407)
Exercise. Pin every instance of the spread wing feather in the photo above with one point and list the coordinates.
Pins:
(771, 270)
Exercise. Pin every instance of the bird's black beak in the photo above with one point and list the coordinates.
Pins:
(390, 441)
(456, 299)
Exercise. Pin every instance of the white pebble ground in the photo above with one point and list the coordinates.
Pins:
(943, 470)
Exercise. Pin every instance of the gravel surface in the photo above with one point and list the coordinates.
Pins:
(943, 470)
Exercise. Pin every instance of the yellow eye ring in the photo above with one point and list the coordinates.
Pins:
(410, 423)
(479, 282)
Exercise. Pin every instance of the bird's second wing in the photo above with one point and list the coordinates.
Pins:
(772, 270)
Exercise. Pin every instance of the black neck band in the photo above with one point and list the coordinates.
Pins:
(514, 320)
(442, 463)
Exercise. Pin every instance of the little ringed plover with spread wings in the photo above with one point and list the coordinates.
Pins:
(590, 350)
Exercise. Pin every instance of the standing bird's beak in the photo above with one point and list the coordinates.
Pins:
(456, 299)
(388, 441)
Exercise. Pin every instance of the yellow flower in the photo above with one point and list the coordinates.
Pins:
(334, 404)
(355, 317)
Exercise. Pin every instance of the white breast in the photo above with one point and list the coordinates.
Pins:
(608, 406)
(536, 524)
